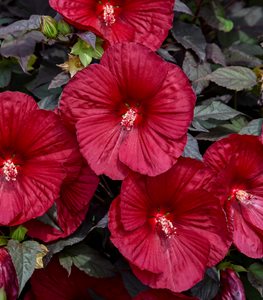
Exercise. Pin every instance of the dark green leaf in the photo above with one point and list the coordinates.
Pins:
(66, 262)
(237, 57)
(255, 276)
(75, 238)
(215, 54)
(190, 36)
(89, 261)
(24, 259)
(196, 72)
(253, 127)
(208, 287)
(50, 217)
(234, 78)
(191, 149)
(59, 80)
(133, 285)
(5, 75)
(215, 110)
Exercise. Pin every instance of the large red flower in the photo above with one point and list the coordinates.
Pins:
(36, 154)
(54, 283)
(71, 207)
(238, 182)
(127, 114)
(168, 227)
(143, 21)
(8, 277)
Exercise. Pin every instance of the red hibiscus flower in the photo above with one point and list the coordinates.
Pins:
(168, 227)
(8, 278)
(238, 182)
(71, 207)
(53, 282)
(128, 115)
(161, 295)
(35, 155)
(143, 21)
(231, 287)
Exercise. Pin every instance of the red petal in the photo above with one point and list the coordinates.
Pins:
(200, 237)
(72, 206)
(184, 264)
(54, 283)
(146, 22)
(100, 137)
(151, 19)
(247, 238)
(40, 146)
(134, 66)
(91, 88)
(139, 246)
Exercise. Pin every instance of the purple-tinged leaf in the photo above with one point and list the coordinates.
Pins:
(59, 80)
(191, 37)
(16, 28)
(21, 46)
(215, 54)
(196, 71)
(179, 6)
(89, 37)
(208, 287)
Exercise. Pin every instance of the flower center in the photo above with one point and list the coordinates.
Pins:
(108, 14)
(165, 226)
(129, 118)
(242, 196)
(9, 170)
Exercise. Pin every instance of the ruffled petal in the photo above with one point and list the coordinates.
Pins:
(247, 238)
(134, 66)
(139, 246)
(92, 88)
(184, 263)
(72, 206)
(100, 137)
(146, 22)
(39, 147)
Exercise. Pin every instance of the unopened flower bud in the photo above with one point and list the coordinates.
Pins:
(8, 278)
(231, 286)
(49, 27)
(64, 28)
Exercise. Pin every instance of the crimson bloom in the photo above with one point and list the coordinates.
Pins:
(168, 227)
(231, 287)
(127, 115)
(36, 153)
(143, 21)
(238, 183)
(71, 207)
(8, 278)
(53, 282)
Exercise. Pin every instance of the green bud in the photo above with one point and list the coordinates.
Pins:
(2, 294)
(64, 28)
(49, 27)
